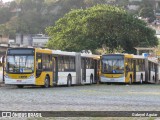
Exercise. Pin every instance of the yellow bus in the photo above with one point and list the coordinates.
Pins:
(45, 67)
(123, 68)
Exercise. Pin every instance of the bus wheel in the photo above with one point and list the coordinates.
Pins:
(130, 80)
(20, 86)
(46, 82)
(69, 81)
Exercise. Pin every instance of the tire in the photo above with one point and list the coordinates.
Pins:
(46, 82)
(130, 80)
(20, 86)
(69, 81)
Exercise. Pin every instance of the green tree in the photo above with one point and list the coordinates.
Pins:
(102, 24)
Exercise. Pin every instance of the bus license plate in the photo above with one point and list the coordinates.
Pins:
(19, 80)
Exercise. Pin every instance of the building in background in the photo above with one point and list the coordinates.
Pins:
(4, 39)
(37, 40)
(23, 40)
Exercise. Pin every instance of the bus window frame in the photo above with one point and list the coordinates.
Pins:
(6, 66)
(50, 62)
(62, 62)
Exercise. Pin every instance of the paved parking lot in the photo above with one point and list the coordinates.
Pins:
(82, 98)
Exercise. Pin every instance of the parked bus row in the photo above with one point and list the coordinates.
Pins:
(45, 67)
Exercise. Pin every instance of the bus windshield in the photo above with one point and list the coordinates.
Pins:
(113, 64)
(20, 64)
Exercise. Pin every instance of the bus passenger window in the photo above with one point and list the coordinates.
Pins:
(127, 68)
(39, 65)
(38, 61)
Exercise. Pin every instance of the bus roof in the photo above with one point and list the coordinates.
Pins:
(138, 56)
(43, 50)
(90, 55)
(59, 52)
(153, 59)
(119, 54)
(127, 55)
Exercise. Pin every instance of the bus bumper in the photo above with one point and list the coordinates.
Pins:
(30, 81)
(120, 79)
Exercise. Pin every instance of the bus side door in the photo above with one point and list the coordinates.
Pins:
(55, 70)
(134, 70)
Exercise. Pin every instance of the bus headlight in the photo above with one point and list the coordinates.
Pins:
(32, 76)
(6, 76)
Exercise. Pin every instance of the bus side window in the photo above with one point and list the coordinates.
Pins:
(46, 63)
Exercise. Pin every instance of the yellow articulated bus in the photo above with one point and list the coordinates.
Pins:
(125, 68)
(44, 67)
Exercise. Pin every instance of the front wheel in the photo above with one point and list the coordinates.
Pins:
(46, 82)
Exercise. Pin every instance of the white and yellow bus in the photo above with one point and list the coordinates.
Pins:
(44, 67)
(125, 68)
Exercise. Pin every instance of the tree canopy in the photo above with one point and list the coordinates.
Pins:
(90, 29)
